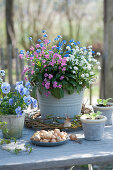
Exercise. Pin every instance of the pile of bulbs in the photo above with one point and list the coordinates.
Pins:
(49, 136)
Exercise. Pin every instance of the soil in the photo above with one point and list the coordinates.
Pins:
(95, 119)
(101, 105)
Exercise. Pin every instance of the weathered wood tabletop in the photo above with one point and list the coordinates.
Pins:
(59, 157)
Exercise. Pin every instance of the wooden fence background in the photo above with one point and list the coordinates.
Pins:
(13, 66)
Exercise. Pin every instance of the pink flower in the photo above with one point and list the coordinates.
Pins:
(27, 55)
(35, 53)
(45, 75)
(42, 52)
(45, 80)
(59, 61)
(44, 66)
(43, 61)
(39, 58)
(52, 62)
(47, 85)
(49, 92)
(63, 64)
(37, 45)
(50, 76)
(32, 48)
(55, 84)
(21, 56)
(33, 64)
(50, 52)
(43, 48)
(46, 41)
(55, 55)
(43, 83)
(47, 56)
(32, 72)
(54, 46)
(63, 69)
(26, 69)
(25, 78)
(59, 86)
(62, 77)
(31, 58)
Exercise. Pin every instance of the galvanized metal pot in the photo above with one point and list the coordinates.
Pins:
(69, 105)
(106, 111)
(14, 125)
(93, 129)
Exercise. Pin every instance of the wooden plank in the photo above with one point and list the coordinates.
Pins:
(2, 60)
(17, 64)
(21, 61)
(69, 154)
(29, 64)
(90, 93)
(9, 59)
(108, 48)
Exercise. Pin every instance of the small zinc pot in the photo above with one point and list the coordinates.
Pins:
(14, 126)
(93, 129)
(69, 105)
(106, 111)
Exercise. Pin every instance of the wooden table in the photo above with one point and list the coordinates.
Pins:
(59, 157)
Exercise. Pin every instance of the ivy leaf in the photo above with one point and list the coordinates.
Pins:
(57, 92)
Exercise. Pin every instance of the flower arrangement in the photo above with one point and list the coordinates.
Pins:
(15, 101)
(58, 65)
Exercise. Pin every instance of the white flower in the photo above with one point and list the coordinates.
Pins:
(91, 73)
(68, 48)
(82, 57)
(84, 48)
(99, 68)
(91, 82)
(98, 53)
(70, 67)
(74, 51)
(87, 75)
(82, 75)
(90, 53)
(84, 67)
(90, 46)
(72, 43)
(72, 57)
(97, 62)
(80, 82)
(75, 68)
(74, 72)
(81, 52)
(89, 67)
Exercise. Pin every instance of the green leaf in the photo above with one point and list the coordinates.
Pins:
(57, 92)
(99, 101)
(34, 92)
(58, 75)
(69, 88)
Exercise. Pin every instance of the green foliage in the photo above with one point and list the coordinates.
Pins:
(16, 150)
(92, 116)
(57, 92)
(103, 101)
(69, 88)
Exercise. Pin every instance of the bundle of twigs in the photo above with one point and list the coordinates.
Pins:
(34, 120)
